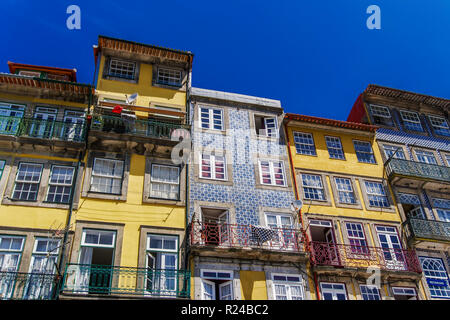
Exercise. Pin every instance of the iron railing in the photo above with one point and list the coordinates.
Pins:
(145, 128)
(27, 286)
(43, 129)
(225, 235)
(417, 169)
(355, 256)
(427, 229)
(85, 279)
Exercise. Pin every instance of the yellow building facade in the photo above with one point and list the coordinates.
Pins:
(349, 213)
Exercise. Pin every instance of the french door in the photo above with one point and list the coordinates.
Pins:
(73, 126)
(42, 126)
(392, 248)
(9, 264)
(9, 121)
(282, 224)
(162, 273)
(40, 284)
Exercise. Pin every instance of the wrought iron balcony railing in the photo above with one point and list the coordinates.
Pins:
(427, 229)
(417, 169)
(224, 235)
(85, 279)
(27, 286)
(354, 256)
(145, 128)
(43, 129)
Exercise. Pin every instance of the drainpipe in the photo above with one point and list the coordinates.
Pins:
(317, 286)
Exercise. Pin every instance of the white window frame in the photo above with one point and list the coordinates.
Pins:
(351, 191)
(439, 277)
(212, 166)
(50, 183)
(338, 150)
(27, 182)
(400, 291)
(93, 174)
(98, 245)
(370, 287)
(324, 198)
(436, 126)
(380, 113)
(287, 284)
(364, 152)
(171, 74)
(272, 172)
(334, 291)
(427, 155)
(306, 136)
(376, 194)
(273, 132)
(121, 69)
(163, 238)
(217, 277)
(393, 148)
(27, 73)
(407, 117)
(158, 181)
(48, 241)
(211, 118)
(3, 236)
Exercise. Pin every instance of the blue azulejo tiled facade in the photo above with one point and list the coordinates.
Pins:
(243, 147)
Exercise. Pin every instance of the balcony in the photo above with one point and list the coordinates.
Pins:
(237, 240)
(149, 128)
(27, 286)
(427, 229)
(47, 130)
(87, 280)
(399, 169)
(354, 256)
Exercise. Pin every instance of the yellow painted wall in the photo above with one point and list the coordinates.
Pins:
(349, 166)
(147, 92)
(253, 285)
(132, 212)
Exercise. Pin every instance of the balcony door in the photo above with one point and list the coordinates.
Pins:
(94, 272)
(10, 117)
(216, 228)
(282, 224)
(73, 126)
(391, 247)
(43, 125)
(323, 242)
(216, 285)
(10, 254)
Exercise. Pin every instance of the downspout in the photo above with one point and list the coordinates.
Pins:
(317, 286)
(186, 207)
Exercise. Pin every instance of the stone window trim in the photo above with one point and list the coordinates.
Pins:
(367, 105)
(163, 231)
(102, 226)
(433, 151)
(373, 228)
(335, 223)
(445, 155)
(229, 166)
(86, 193)
(287, 171)
(279, 119)
(381, 145)
(416, 192)
(424, 131)
(262, 211)
(323, 175)
(432, 214)
(147, 182)
(366, 225)
(154, 80)
(29, 235)
(106, 76)
(387, 190)
(197, 121)
(43, 184)
(371, 144)
(198, 205)
(432, 128)
(335, 192)
(272, 270)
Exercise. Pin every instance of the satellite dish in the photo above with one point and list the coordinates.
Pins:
(296, 205)
(132, 98)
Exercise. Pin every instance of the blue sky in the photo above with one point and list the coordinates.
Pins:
(315, 56)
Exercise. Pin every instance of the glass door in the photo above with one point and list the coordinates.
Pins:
(285, 236)
(10, 119)
(226, 291)
(42, 126)
(73, 126)
(392, 248)
(224, 229)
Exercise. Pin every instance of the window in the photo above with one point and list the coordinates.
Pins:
(442, 207)
(333, 291)
(266, 126)
(27, 181)
(369, 292)
(162, 254)
(34, 74)
(43, 261)
(271, 172)
(10, 253)
(217, 282)
(98, 238)
(425, 157)
(2, 167)
(169, 77)
(211, 118)
(10, 117)
(436, 276)
(447, 157)
(107, 176)
(283, 236)
(335, 148)
(304, 143)
(440, 125)
(313, 187)
(411, 121)
(122, 69)
(165, 182)
(213, 167)
(60, 184)
(394, 152)
(381, 115)
(364, 151)
(356, 238)
(404, 293)
(288, 287)
(345, 191)
(376, 194)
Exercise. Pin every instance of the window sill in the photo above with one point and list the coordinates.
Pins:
(179, 202)
(104, 196)
(37, 203)
(114, 78)
(167, 86)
